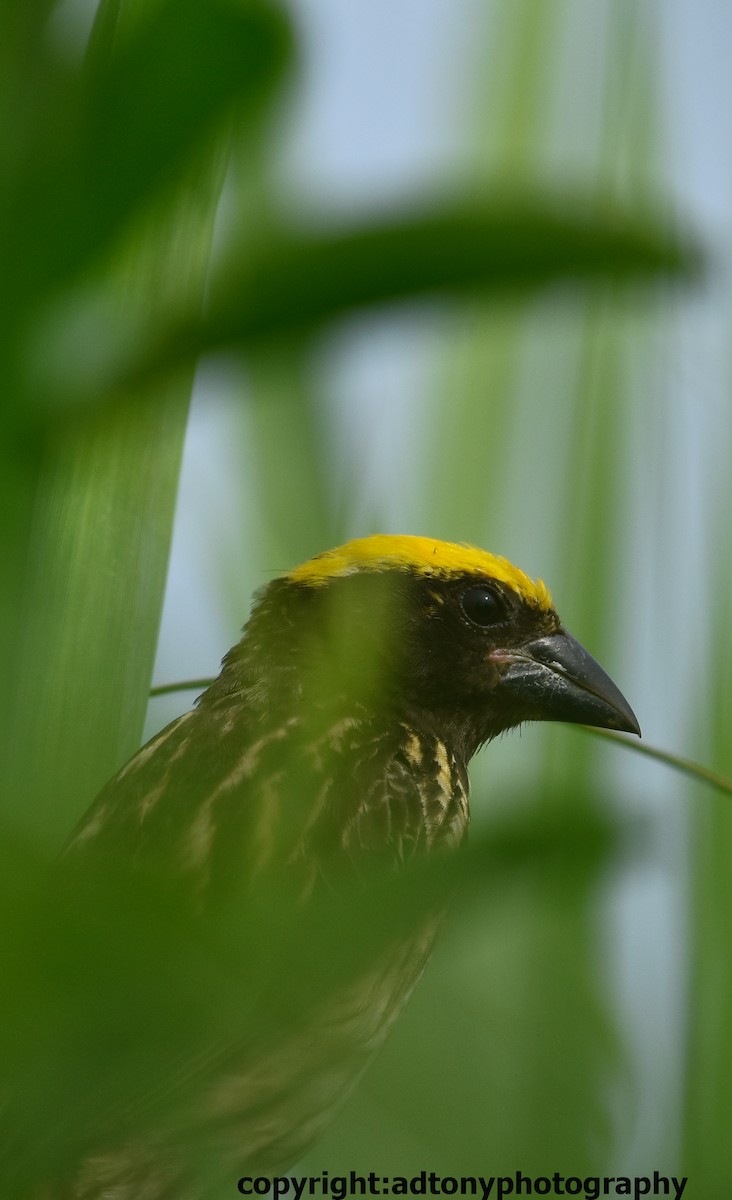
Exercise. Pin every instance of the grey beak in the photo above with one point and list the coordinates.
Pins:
(558, 680)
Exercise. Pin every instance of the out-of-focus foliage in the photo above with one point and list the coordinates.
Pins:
(112, 164)
(148, 999)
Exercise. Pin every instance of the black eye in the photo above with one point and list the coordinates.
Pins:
(482, 606)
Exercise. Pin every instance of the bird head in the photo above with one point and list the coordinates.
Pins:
(446, 637)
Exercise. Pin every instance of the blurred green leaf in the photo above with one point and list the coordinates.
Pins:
(112, 134)
(88, 537)
(150, 1000)
(127, 142)
(292, 283)
(296, 282)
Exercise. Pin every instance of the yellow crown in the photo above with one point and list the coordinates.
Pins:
(424, 556)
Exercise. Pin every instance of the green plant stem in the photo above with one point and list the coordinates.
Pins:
(186, 685)
(686, 765)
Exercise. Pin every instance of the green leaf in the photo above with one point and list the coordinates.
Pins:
(114, 133)
(118, 1002)
(299, 281)
(82, 614)
(293, 283)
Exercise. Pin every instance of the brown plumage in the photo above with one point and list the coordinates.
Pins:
(337, 737)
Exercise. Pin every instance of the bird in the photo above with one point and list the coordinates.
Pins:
(336, 738)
